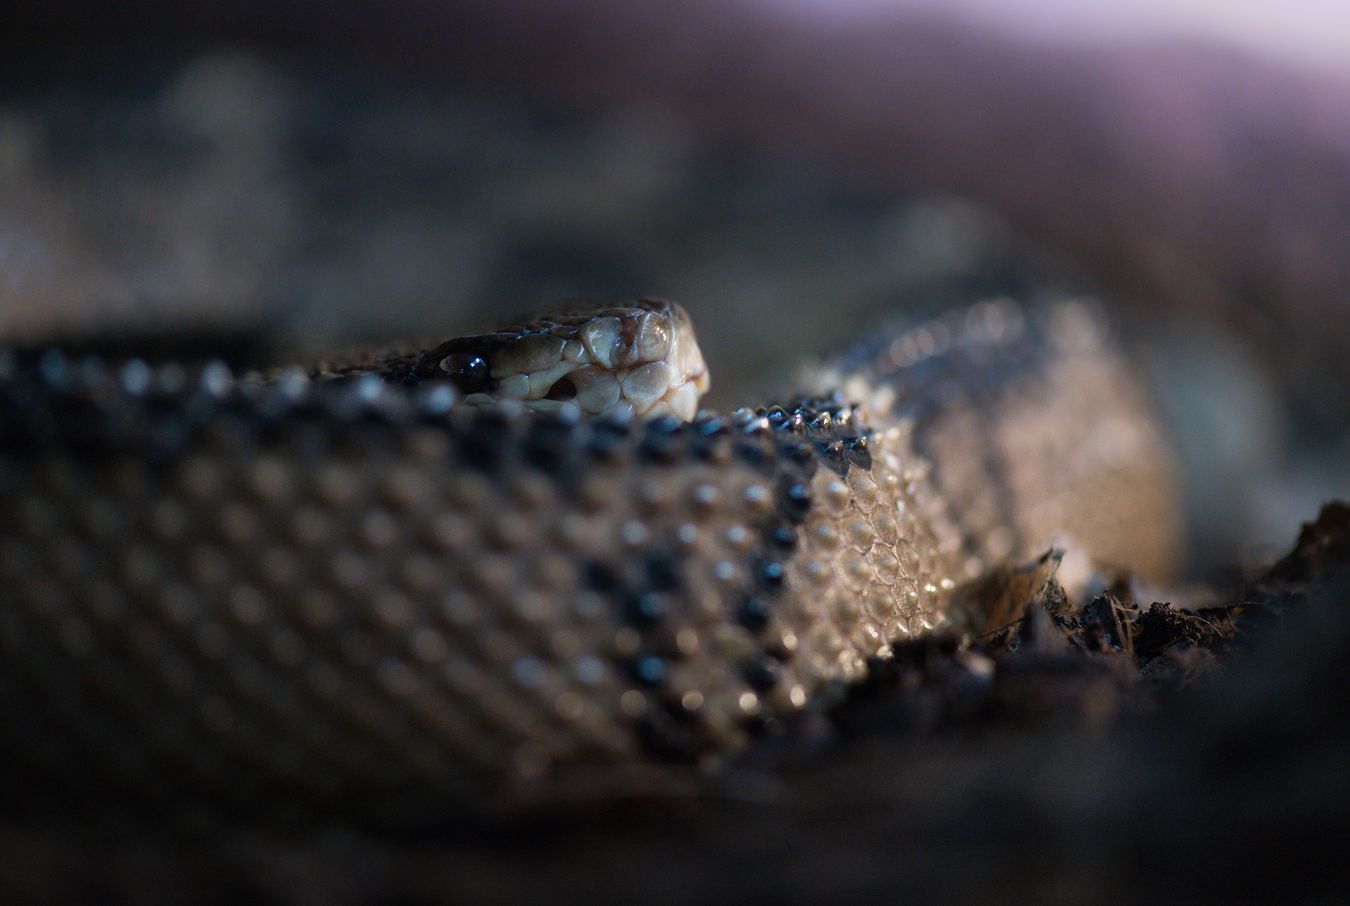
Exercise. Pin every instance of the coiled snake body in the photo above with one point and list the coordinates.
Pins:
(357, 589)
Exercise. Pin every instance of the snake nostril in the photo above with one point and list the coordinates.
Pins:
(562, 389)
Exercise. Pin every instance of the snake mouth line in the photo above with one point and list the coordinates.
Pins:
(637, 360)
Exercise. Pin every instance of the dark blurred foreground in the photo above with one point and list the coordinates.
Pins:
(1125, 751)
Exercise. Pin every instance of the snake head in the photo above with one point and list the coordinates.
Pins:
(636, 359)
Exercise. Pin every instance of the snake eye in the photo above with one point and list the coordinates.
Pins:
(470, 372)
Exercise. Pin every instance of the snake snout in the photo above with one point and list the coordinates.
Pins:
(640, 359)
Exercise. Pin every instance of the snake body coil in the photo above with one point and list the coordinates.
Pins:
(310, 595)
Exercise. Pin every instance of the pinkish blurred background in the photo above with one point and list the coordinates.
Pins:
(1312, 34)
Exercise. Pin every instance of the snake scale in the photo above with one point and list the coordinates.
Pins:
(400, 583)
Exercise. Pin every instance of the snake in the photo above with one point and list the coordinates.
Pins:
(401, 581)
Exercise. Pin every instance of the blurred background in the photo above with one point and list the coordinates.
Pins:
(793, 171)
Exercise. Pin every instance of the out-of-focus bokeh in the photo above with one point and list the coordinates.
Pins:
(1311, 34)
(791, 170)
(227, 189)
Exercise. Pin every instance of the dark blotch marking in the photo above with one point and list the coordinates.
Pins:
(795, 501)
(663, 571)
(799, 455)
(602, 577)
(667, 739)
(607, 438)
(759, 726)
(781, 537)
(753, 456)
(771, 575)
(702, 449)
(168, 439)
(549, 445)
(648, 670)
(54, 369)
(664, 425)
(646, 609)
(482, 443)
(761, 675)
(754, 613)
(832, 453)
(859, 451)
(661, 443)
(709, 427)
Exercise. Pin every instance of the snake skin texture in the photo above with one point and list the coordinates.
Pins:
(354, 596)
